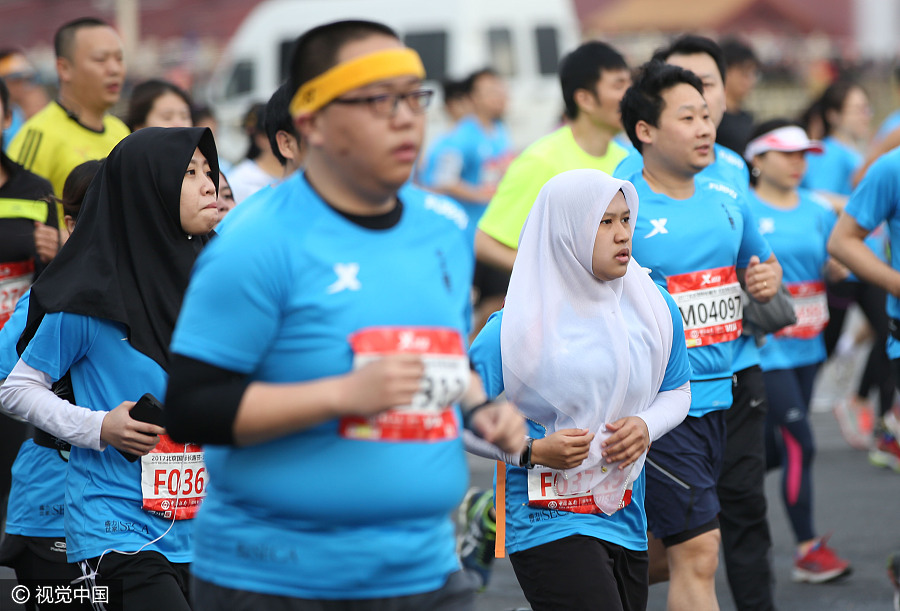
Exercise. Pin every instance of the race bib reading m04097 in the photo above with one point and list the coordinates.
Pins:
(430, 416)
(173, 479)
(710, 305)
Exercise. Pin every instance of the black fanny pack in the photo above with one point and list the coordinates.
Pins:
(46, 440)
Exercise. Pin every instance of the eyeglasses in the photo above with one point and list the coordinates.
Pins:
(385, 105)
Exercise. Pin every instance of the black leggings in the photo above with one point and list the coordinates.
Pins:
(789, 442)
(582, 573)
(145, 581)
(871, 300)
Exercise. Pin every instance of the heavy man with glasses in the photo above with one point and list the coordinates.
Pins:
(332, 392)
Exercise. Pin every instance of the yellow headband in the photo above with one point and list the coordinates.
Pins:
(371, 68)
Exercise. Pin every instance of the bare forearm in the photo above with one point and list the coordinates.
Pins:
(852, 251)
(490, 251)
(269, 411)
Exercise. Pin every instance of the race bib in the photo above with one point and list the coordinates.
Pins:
(430, 416)
(550, 489)
(173, 479)
(15, 278)
(811, 308)
(710, 305)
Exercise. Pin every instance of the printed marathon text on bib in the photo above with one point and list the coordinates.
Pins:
(811, 308)
(173, 478)
(550, 489)
(710, 305)
(15, 278)
(430, 416)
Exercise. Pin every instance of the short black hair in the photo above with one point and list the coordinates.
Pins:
(4, 99)
(76, 186)
(65, 35)
(737, 52)
(316, 50)
(834, 97)
(691, 44)
(278, 118)
(644, 102)
(144, 95)
(454, 90)
(583, 68)
(469, 81)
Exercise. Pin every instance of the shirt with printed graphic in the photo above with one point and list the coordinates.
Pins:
(693, 248)
(318, 513)
(799, 237)
(527, 526)
(103, 489)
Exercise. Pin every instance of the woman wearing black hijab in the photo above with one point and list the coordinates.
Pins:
(103, 313)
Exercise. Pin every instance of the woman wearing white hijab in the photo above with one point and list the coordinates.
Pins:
(586, 341)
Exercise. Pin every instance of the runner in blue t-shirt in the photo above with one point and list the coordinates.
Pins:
(847, 117)
(35, 542)
(327, 392)
(576, 530)
(101, 315)
(746, 541)
(467, 164)
(703, 221)
(797, 224)
(876, 200)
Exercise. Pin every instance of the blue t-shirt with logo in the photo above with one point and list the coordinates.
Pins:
(527, 526)
(103, 489)
(699, 235)
(799, 237)
(470, 153)
(877, 200)
(315, 514)
(37, 493)
(729, 169)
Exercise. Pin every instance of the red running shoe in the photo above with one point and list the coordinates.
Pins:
(820, 564)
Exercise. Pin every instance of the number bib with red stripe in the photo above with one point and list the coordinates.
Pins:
(173, 478)
(710, 305)
(549, 489)
(811, 308)
(15, 278)
(430, 416)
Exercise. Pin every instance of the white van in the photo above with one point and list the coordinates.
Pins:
(522, 39)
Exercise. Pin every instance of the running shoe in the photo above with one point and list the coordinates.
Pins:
(820, 564)
(893, 571)
(476, 547)
(885, 451)
(855, 420)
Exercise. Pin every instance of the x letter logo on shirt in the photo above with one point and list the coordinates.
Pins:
(346, 278)
(659, 226)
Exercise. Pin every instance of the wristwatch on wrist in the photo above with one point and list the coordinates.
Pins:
(525, 458)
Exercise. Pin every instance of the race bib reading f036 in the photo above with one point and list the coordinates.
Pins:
(430, 416)
(710, 305)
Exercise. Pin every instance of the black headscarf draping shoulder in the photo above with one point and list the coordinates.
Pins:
(129, 260)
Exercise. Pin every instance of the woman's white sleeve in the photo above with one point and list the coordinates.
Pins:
(479, 447)
(26, 393)
(668, 410)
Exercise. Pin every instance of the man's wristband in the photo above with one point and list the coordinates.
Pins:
(525, 459)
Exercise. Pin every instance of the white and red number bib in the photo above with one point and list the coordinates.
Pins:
(811, 308)
(549, 489)
(430, 416)
(173, 478)
(15, 278)
(710, 305)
